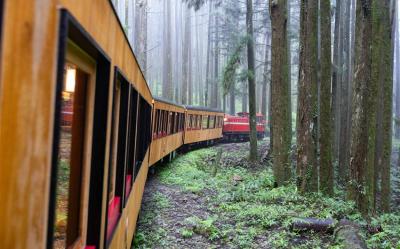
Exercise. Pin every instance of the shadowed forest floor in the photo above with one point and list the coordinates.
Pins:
(189, 203)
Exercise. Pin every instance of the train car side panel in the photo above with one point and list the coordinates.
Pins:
(28, 61)
(103, 25)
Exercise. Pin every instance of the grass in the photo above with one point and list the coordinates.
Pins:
(251, 211)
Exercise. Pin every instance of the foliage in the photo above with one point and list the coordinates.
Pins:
(232, 66)
(250, 211)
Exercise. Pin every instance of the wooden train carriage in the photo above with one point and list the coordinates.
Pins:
(168, 127)
(202, 124)
(70, 52)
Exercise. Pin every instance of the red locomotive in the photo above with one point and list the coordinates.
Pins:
(238, 127)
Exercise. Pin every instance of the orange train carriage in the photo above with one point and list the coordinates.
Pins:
(79, 126)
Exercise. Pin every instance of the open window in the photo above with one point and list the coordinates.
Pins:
(143, 134)
(205, 122)
(118, 153)
(78, 153)
(131, 139)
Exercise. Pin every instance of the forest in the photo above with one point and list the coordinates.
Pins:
(325, 74)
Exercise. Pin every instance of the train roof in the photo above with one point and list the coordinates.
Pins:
(202, 108)
(168, 102)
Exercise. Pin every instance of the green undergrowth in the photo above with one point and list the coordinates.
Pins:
(246, 211)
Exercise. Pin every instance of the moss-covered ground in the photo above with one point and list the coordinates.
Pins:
(191, 203)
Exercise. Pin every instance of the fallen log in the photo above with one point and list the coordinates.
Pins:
(348, 234)
(314, 224)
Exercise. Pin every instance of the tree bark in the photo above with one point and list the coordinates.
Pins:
(344, 141)
(265, 77)
(208, 66)
(186, 58)
(280, 85)
(216, 100)
(168, 90)
(335, 90)
(387, 76)
(252, 81)
(326, 167)
(360, 108)
(316, 225)
(307, 112)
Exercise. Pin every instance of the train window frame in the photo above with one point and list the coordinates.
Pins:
(118, 151)
(79, 181)
(70, 29)
(155, 118)
(131, 159)
(143, 139)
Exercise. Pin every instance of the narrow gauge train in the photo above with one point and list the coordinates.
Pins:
(237, 128)
(79, 127)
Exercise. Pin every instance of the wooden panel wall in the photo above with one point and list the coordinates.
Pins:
(194, 136)
(27, 93)
(27, 97)
(161, 147)
(103, 26)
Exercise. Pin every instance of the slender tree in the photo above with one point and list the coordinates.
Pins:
(167, 92)
(335, 74)
(251, 81)
(326, 167)
(307, 108)
(264, 91)
(186, 57)
(280, 104)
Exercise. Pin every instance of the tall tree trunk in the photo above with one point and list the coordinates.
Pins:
(232, 101)
(208, 66)
(397, 75)
(360, 108)
(186, 58)
(216, 100)
(387, 77)
(344, 141)
(280, 85)
(326, 167)
(168, 90)
(252, 81)
(265, 77)
(335, 90)
(307, 112)
(244, 96)
(143, 36)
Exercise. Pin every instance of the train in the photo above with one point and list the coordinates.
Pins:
(79, 126)
(237, 128)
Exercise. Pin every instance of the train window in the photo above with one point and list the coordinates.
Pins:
(205, 122)
(131, 140)
(172, 126)
(155, 119)
(199, 120)
(212, 122)
(74, 148)
(144, 136)
(159, 123)
(117, 170)
(176, 127)
(79, 138)
(183, 122)
(165, 123)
